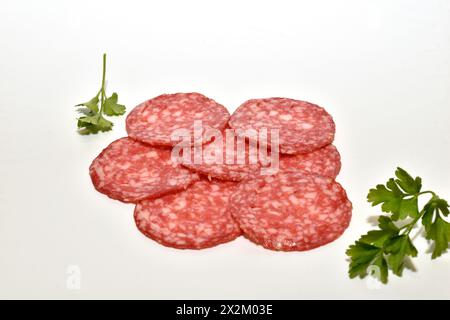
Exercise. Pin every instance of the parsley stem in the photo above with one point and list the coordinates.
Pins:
(103, 84)
(425, 192)
(411, 225)
(408, 227)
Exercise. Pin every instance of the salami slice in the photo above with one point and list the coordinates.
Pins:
(325, 161)
(129, 171)
(155, 120)
(303, 126)
(192, 219)
(226, 158)
(291, 211)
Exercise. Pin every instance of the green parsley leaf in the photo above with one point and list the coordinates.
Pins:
(393, 200)
(112, 108)
(362, 256)
(379, 237)
(88, 120)
(389, 196)
(398, 248)
(381, 263)
(93, 124)
(408, 207)
(441, 205)
(407, 183)
(389, 246)
(385, 223)
(92, 120)
(92, 104)
(436, 228)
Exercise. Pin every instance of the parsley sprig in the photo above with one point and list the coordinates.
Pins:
(93, 119)
(389, 247)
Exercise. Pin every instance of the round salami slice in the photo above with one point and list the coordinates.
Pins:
(325, 161)
(291, 211)
(303, 126)
(227, 158)
(196, 218)
(155, 120)
(129, 171)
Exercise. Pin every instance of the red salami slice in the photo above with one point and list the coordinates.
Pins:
(226, 158)
(155, 120)
(303, 126)
(291, 211)
(192, 219)
(129, 171)
(325, 161)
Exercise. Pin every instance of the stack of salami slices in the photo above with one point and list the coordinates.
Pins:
(202, 202)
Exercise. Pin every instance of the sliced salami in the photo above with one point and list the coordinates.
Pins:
(226, 158)
(192, 219)
(303, 126)
(155, 120)
(291, 211)
(129, 171)
(325, 161)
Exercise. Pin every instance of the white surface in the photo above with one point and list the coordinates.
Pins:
(381, 68)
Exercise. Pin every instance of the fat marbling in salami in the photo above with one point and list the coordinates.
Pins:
(325, 161)
(303, 126)
(129, 171)
(228, 158)
(154, 121)
(291, 211)
(192, 219)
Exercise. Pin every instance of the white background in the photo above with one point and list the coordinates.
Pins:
(381, 68)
